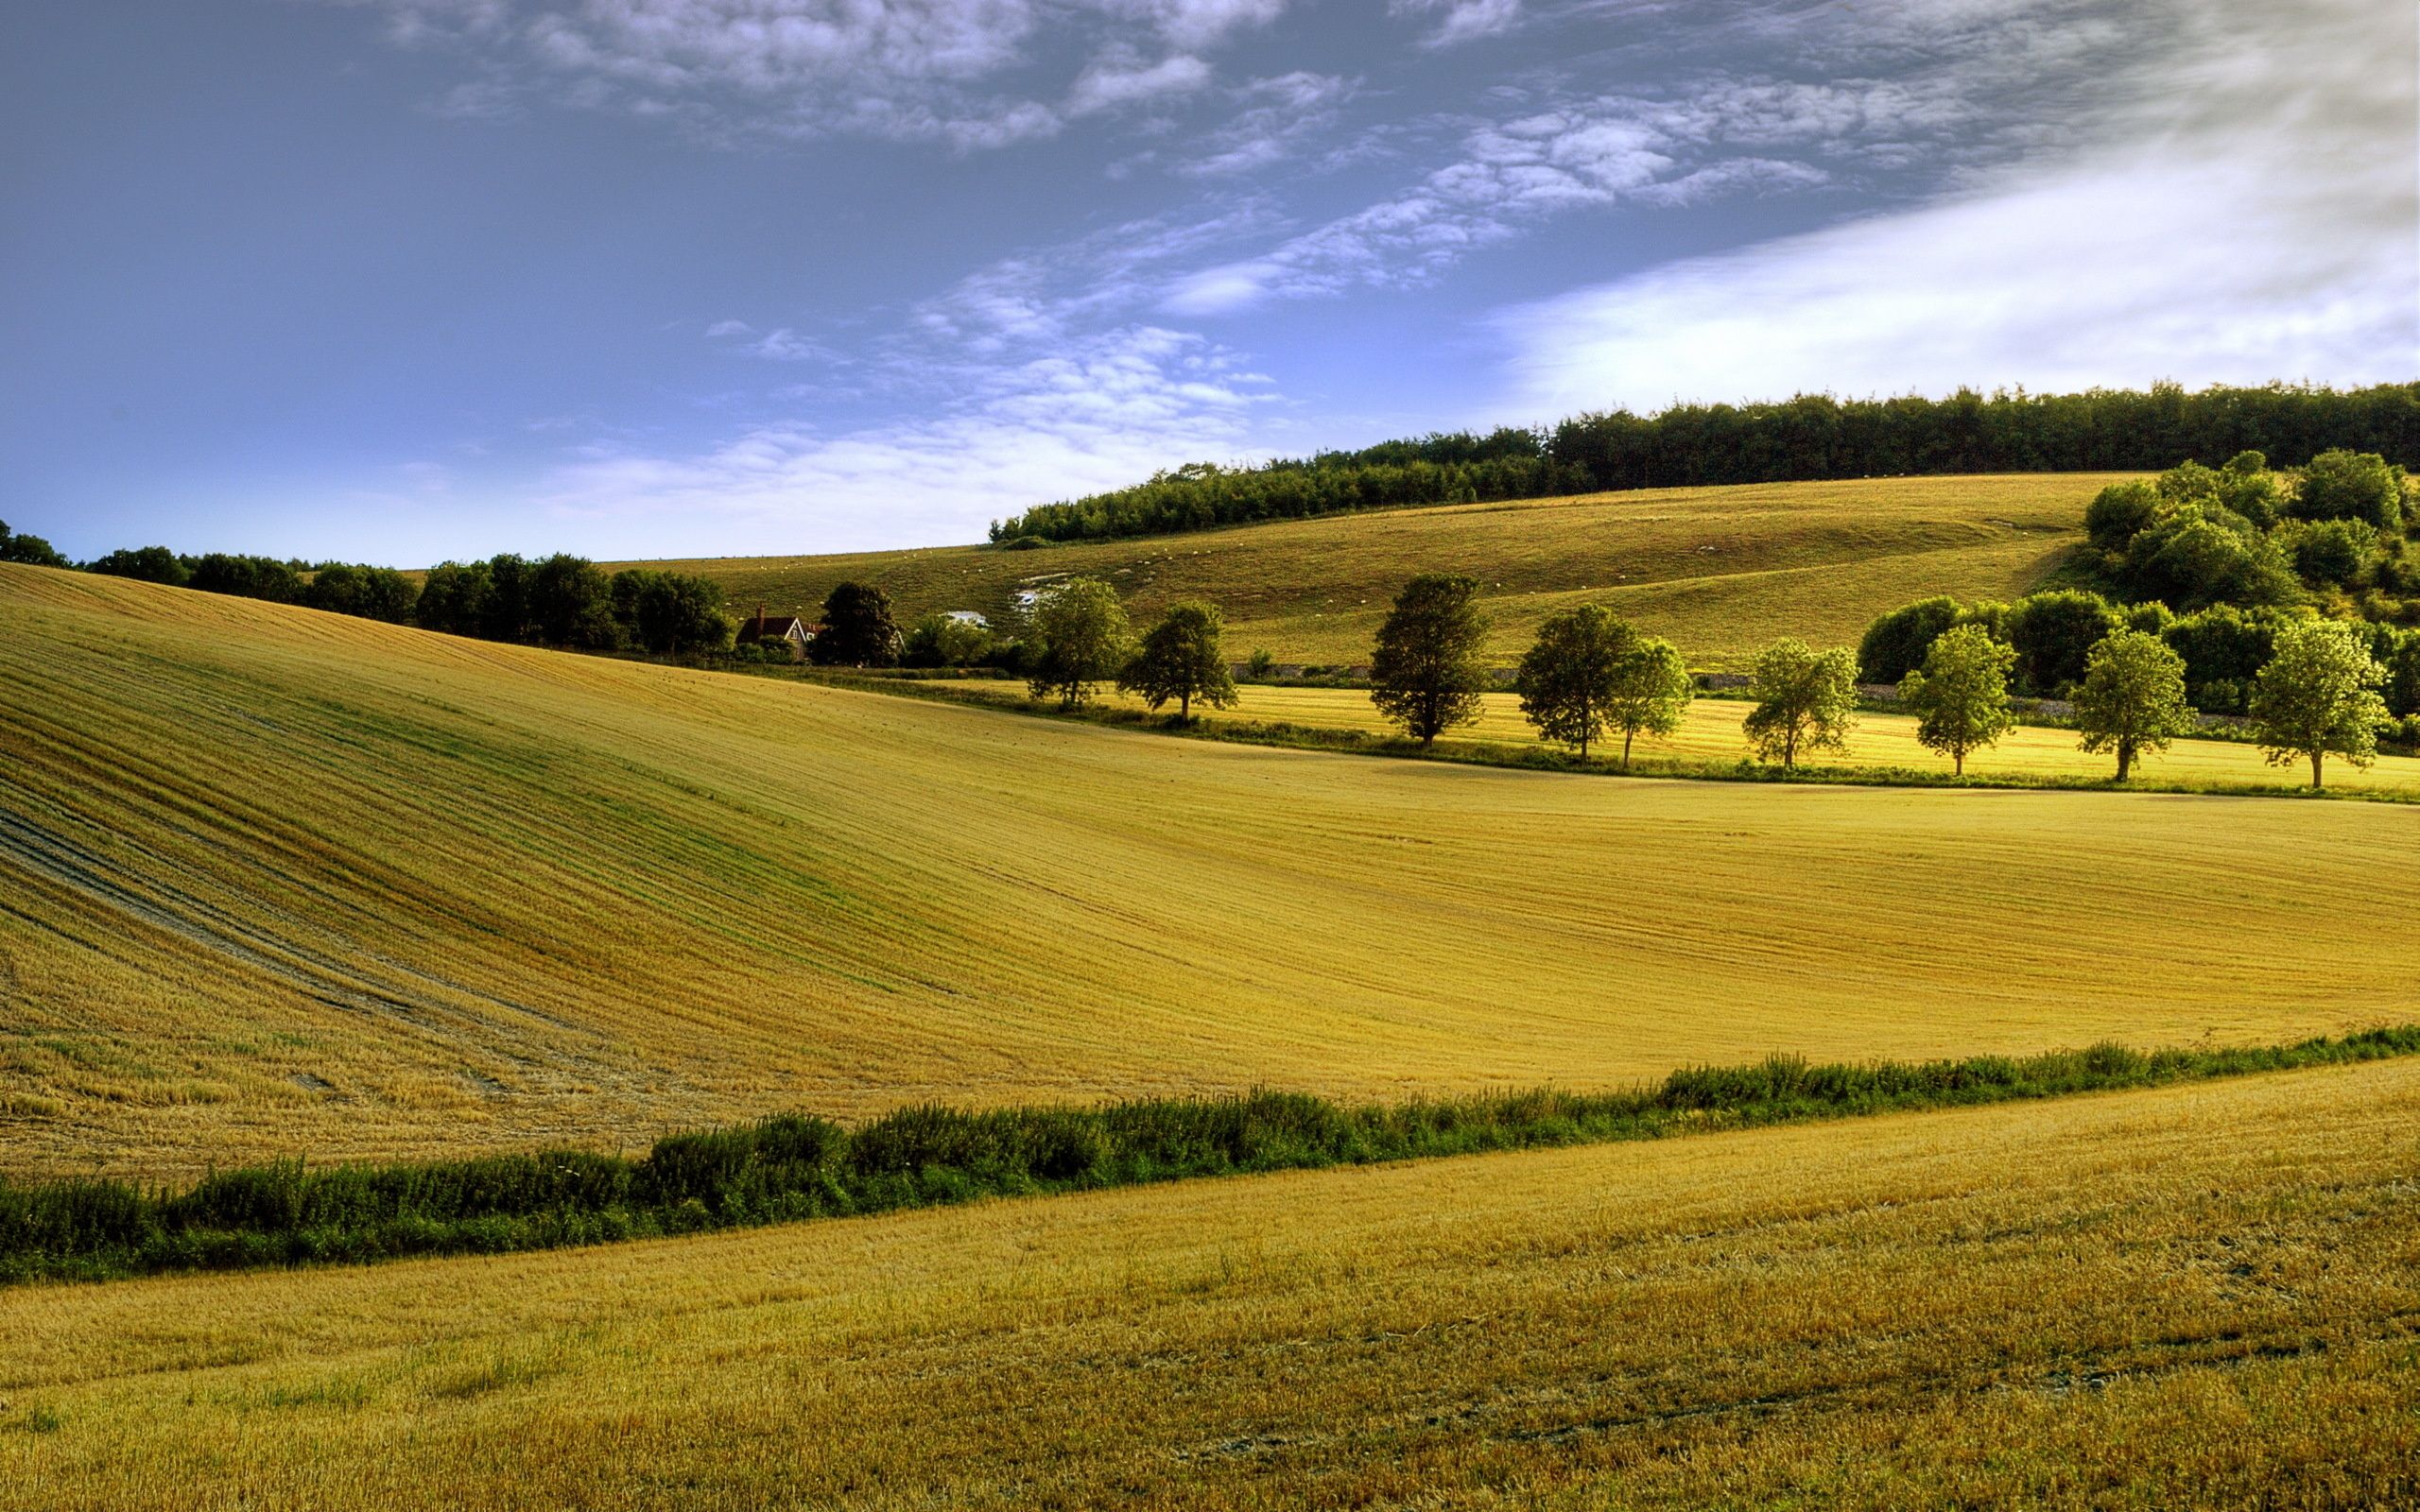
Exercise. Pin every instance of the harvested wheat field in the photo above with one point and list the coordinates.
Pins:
(2201, 1296)
(274, 882)
(1719, 570)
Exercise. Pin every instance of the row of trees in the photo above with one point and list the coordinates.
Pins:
(1808, 437)
(1589, 675)
(560, 600)
(2316, 695)
(2050, 638)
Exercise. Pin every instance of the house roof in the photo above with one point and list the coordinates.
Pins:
(775, 627)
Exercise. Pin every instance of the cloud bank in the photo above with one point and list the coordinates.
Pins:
(2253, 216)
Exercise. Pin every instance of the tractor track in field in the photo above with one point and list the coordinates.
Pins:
(397, 990)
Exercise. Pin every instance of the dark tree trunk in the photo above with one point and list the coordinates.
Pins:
(2316, 757)
(2125, 758)
(1627, 736)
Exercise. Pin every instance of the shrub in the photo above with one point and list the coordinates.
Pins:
(1894, 644)
(2053, 633)
(2342, 484)
(2334, 553)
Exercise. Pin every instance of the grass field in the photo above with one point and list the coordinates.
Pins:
(1719, 570)
(276, 882)
(2202, 1296)
(1710, 733)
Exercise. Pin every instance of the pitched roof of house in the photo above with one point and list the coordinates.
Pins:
(775, 627)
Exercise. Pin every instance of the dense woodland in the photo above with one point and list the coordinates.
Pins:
(1811, 436)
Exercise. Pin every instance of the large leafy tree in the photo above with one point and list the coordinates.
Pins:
(1425, 671)
(1567, 676)
(1652, 690)
(263, 578)
(1182, 660)
(1806, 701)
(858, 630)
(2132, 700)
(454, 597)
(2319, 695)
(1960, 696)
(370, 592)
(570, 602)
(150, 564)
(31, 551)
(1081, 639)
(671, 611)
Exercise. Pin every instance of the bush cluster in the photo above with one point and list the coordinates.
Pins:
(795, 1166)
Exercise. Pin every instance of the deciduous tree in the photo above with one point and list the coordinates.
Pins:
(1959, 697)
(29, 551)
(1425, 671)
(1182, 660)
(2132, 700)
(1081, 639)
(1566, 679)
(1806, 701)
(858, 630)
(1652, 690)
(2318, 694)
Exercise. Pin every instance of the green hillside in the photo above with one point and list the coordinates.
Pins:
(1719, 570)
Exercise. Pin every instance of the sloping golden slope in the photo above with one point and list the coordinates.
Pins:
(1720, 571)
(272, 880)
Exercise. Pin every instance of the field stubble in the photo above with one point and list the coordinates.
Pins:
(2198, 1294)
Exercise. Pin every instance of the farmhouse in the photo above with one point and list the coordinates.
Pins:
(783, 628)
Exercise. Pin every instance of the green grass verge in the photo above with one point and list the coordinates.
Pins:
(794, 1167)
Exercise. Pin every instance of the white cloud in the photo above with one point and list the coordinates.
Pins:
(2255, 217)
(1096, 413)
(1111, 83)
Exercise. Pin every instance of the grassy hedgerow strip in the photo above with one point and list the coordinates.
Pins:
(793, 1167)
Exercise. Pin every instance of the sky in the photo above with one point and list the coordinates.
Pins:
(408, 280)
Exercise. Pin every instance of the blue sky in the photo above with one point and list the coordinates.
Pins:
(404, 280)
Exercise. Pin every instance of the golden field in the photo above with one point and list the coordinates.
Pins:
(1720, 572)
(1710, 735)
(2201, 1296)
(275, 882)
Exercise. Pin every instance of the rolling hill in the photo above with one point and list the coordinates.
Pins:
(279, 882)
(1720, 570)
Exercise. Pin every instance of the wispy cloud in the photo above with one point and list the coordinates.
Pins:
(1278, 117)
(970, 74)
(1460, 21)
(781, 344)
